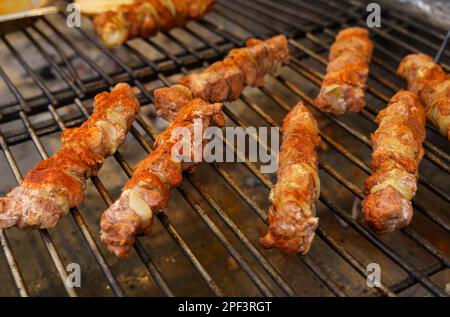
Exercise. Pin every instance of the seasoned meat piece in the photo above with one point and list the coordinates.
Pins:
(173, 98)
(144, 18)
(58, 183)
(247, 63)
(432, 85)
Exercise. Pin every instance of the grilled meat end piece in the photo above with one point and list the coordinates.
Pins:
(347, 71)
(429, 81)
(397, 151)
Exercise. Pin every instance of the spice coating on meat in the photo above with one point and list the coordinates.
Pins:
(148, 191)
(292, 220)
(173, 98)
(347, 71)
(397, 151)
(59, 182)
(145, 18)
(225, 80)
(429, 81)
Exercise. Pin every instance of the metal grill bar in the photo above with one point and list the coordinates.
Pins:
(153, 71)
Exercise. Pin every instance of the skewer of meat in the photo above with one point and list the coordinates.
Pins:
(225, 80)
(148, 190)
(397, 151)
(429, 81)
(58, 183)
(144, 18)
(345, 81)
(292, 216)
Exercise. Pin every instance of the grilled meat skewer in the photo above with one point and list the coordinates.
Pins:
(397, 151)
(148, 191)
(225, 80)
(348, 68)
(58, 183)
(429, 81)
(292, 220)
(144, 18)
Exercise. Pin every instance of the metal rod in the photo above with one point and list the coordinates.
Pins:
(442, 48)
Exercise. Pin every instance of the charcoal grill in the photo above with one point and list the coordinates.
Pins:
(206, 242)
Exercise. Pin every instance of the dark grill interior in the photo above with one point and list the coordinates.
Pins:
(206, 243)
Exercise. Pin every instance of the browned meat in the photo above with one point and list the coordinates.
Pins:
(173, 99)
(58, 183)
(147, 192)
(219, 82)
(182, 12)
(292, 216)
(429, 81)
(397, 151)
(247, 63)
(145, 18)
(345, 81)
(224, 80)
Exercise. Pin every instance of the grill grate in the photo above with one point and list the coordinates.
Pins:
(311, 29)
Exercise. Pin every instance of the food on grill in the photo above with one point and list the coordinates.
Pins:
(144, 18)
(225, 80)
(432, 85)
(345, 81)
(93, 7)
(148, 191)
(292, 220)
(13, 6)
(59, 183)
(397, 151)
